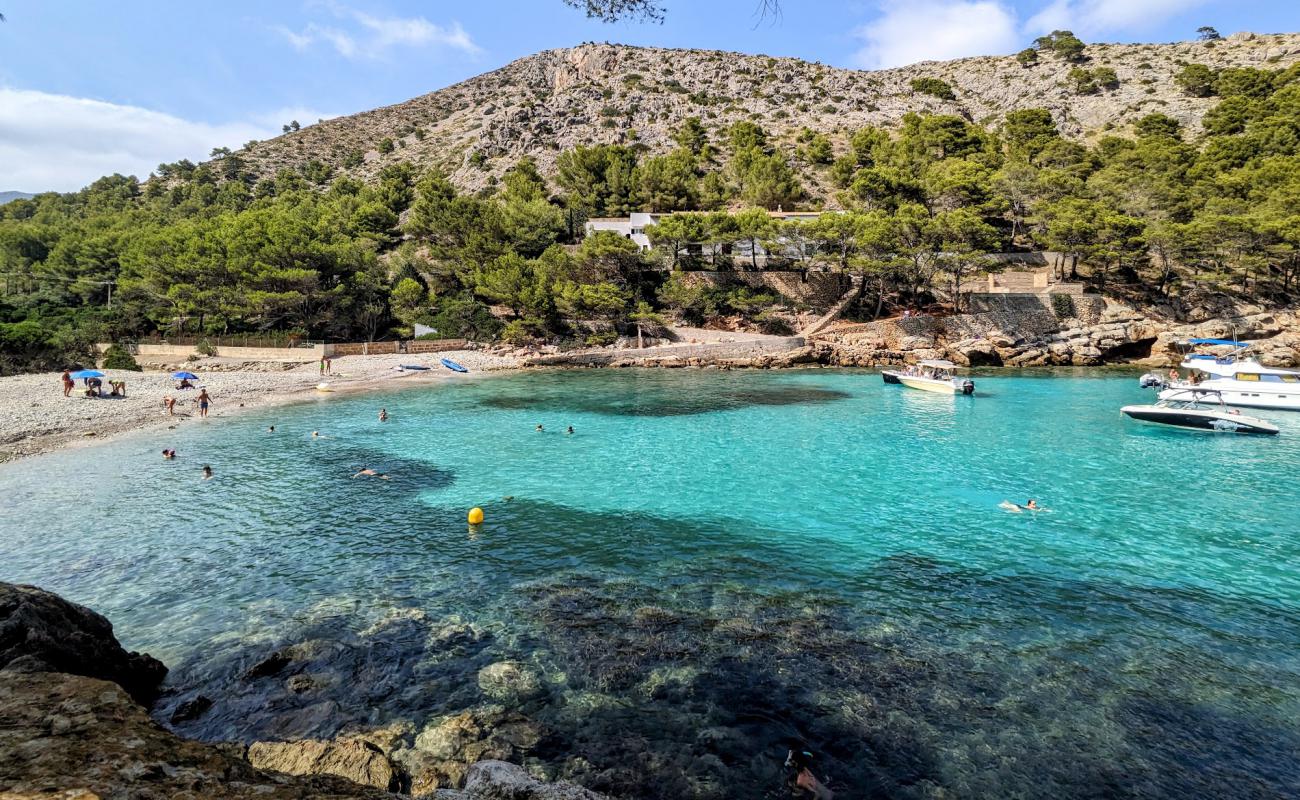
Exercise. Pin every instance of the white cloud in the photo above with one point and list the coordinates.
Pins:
(923, 30)
(53, 142)
(1091, 17)
(374, 37)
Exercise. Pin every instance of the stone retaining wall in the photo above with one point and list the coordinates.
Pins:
(716, 351)
(390, 348)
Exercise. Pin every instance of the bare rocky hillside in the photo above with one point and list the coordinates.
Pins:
(602, 93)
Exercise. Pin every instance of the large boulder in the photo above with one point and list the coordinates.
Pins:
(499, 780)
(70, 736)
(356, 759)
(42, 632)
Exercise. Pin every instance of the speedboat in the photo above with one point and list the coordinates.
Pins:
(1197, 410)
(1238, 377)
(932, 375)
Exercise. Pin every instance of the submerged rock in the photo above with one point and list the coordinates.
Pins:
(498, 780)
(510, 682)
(42, 632)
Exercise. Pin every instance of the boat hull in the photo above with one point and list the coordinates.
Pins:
(955, 386)
(1204, 421)
(890, 376)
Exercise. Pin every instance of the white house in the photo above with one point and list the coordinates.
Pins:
(633, 227)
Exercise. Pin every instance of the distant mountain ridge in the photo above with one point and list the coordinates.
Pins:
(543, 104)
(5, 197)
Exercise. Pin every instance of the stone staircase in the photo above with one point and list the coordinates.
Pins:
(821, 323)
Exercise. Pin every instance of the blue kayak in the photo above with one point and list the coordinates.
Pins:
(452, 365)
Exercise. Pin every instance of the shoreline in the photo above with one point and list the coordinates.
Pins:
(35, 417)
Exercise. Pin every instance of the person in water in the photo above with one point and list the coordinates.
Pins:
(540, 429)
(169, 455)
(800, 778)
(569, 431)
(383, 415)
(1030, 505)
(271, 429)
(207, 472)
(368, 472)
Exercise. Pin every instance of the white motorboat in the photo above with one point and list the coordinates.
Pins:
(931, 375)
(1237, 376)
(1197, 410)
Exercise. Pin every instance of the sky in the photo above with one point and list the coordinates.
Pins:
(89, 88)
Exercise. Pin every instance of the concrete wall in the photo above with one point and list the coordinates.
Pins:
(815, 289)
(310, 353)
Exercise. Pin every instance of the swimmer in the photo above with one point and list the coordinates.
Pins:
(368, 472)
(539, 429)
(168, 455)
(383, 415)
(207, 472)
(271, 429)
(1030, 505)
(315, 434)
(569, 432)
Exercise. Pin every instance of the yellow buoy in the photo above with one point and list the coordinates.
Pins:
(475, 516)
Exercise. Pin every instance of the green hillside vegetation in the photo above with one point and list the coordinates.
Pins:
(207, 250)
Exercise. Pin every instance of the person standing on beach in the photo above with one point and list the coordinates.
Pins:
(322, 365)
(68, 383)
(203, 400)
(329, 365)
(169, 403)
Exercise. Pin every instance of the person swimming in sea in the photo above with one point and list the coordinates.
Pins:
(1015, 508)
(540, 429)
(383, 415)
(168, 455)
(271, 429)
(207, 472)
(569, 432)
(370, 473)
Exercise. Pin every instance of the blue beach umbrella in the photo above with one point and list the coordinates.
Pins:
(186, 375)
(87, 373)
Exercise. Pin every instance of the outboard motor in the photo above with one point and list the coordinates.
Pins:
(1152, 380)
(968, 386)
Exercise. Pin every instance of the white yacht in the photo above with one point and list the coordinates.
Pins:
(931, 375)
(1237, 377)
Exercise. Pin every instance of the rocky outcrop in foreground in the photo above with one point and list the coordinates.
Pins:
(74, 726)
(42, 632)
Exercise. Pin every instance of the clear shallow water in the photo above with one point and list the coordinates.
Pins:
(715, 566)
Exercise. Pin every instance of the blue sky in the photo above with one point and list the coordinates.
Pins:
(89, 87)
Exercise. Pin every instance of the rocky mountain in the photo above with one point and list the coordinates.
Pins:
(605, 93)
(6, 197)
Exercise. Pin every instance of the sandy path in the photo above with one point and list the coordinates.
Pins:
(35, 417)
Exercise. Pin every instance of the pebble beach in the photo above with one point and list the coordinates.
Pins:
(36, 418)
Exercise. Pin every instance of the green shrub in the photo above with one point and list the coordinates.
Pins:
(117, 357)
(385, 145)
(464, 318)
(933, 87)
(601, 339)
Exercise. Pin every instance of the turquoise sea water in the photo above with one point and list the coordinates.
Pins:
(714, 567)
